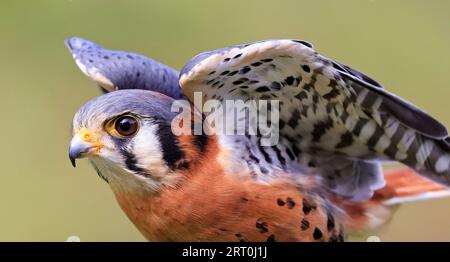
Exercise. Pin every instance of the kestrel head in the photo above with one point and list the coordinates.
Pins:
(128, 139)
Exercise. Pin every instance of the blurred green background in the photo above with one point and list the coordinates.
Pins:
(403, 44)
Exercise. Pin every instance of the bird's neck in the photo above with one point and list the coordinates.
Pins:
(202, 181)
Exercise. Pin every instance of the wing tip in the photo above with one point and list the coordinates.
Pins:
(75, 44)
(404, 111)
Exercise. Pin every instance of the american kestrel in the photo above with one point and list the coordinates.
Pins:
(322, 178)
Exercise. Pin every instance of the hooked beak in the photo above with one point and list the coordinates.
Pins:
(84, 143)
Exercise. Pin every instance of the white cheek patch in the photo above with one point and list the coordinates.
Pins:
(112, 155)
(121, 180)
(146, 150)
(148, 153)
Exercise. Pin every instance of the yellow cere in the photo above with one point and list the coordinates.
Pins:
(91, 137)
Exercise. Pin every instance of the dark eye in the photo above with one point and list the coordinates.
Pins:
(126, 126)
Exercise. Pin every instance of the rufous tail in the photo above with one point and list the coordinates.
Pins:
(402, 185)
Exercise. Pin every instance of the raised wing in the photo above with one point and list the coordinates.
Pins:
(333, 119)
(114, 70)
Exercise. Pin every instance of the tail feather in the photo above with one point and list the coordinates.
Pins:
(402, 186)
(405, 185)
